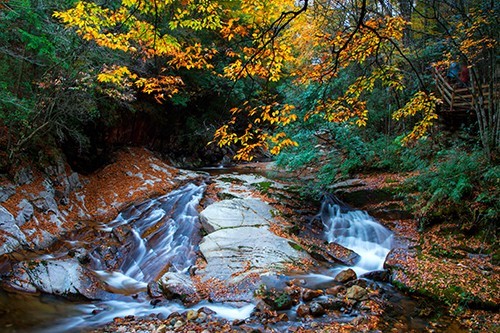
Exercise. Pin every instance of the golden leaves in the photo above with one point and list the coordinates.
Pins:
(424, 104)
(255, 136)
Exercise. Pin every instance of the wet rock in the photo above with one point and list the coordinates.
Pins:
(236, 213)
(263, 307)
(58, 277)
(202, 317)
(177, 285)
(316, 309)
(154, 290)
(346, 275)
(356, 293)
(336, 290)
(358, 282)
(161, 329)
(232, 254)
(303, 310)
(332, 303)
(279, 300)
(381, 276)
(310, 294)
(294, 292)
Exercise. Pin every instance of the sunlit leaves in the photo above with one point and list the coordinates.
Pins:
(257, 135)
(423, 104)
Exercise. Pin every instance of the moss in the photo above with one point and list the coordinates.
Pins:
(296, 246)
(263, 187)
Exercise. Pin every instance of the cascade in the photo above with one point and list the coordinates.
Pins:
(359, 232)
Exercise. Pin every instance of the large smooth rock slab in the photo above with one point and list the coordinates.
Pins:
(58, 277)
(236, 213)
(232, 254)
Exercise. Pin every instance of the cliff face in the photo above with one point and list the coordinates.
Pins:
(39, 205)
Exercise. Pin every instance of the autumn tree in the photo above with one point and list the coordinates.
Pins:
(470, 32)
(263, 43)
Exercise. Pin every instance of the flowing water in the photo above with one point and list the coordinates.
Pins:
(162, 235)
(359, 232)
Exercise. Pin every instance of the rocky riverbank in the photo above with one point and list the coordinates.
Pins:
(261, 254)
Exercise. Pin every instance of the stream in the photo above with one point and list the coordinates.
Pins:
(157, 236)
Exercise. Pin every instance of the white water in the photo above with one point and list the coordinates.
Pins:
(162, 237)
(359, 232)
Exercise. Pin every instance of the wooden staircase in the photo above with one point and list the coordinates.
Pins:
(457, 99)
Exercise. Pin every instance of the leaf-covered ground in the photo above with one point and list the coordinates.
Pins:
(442, 262)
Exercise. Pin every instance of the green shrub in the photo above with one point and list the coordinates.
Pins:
(460, 187)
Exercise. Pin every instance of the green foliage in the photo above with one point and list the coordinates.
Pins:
(460, 187)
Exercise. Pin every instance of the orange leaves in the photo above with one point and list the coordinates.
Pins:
(160, 86)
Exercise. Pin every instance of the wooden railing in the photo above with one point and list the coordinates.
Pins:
(457, 99)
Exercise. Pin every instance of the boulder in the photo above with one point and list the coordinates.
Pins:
(303, 310)
(346, 276)
(235, 213)
(310, 294)
(58, 277)
(356, 293)
(232, 254)
(332, 303)
(316, 309)
(177, 285)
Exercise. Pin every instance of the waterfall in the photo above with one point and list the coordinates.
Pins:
(163, 230)
(359, 232)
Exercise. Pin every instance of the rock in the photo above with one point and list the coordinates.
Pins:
(263, 307)
(24, 176)
(347, 183)
(161, 329)
(154, 290)
(381, 276)
(176, 285)
(58, 277)
(202, 317)
(303, 310)
(358, 282)
(45, 202)
(356, 293)
(346, 275)
(25, 213)
(316, 309)
(191, 315)
(6, 192)
(331, 303)
(235, 213)
(336, 290)
(11, 237)
(232, 254)
(279, 301)
(332, 253)
(310, 294)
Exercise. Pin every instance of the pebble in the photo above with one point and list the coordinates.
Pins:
(191, 315)
(202, 316)
(161, 329)
(178, 324)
